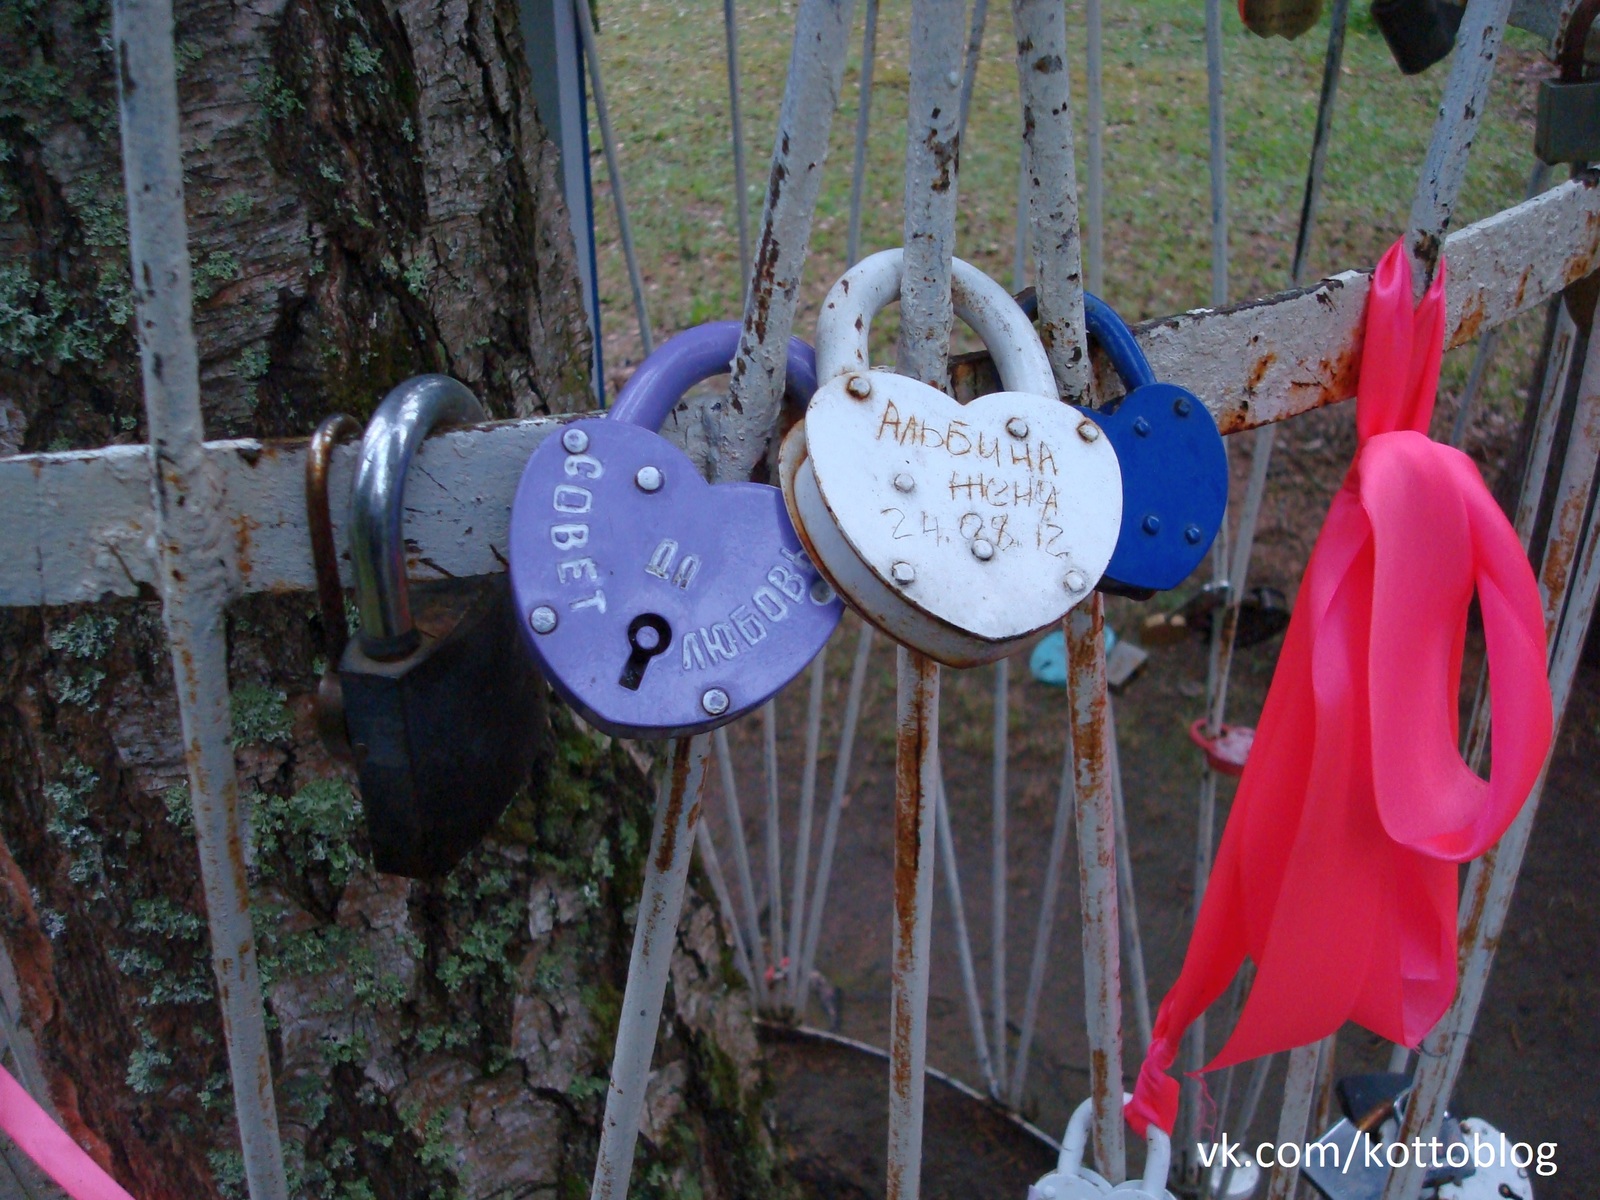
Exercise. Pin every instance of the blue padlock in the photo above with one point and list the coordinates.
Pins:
(657, 604)
(1174, 469)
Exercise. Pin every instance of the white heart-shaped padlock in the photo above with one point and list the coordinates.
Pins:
(959, 530)
(1071, 1180)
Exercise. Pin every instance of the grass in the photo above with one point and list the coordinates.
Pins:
(667, 84)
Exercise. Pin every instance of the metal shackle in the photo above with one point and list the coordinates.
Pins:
(874, 282)
(1157, 1160)
(377, 545)
(1117, 340)
(692, 357)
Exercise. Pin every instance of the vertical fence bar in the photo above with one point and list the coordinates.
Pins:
(916, 786)
(1296, 1112)
(660, 904)
(1094, 224)
(1052, 186)
(774, 830)
(1332, 66)
(1538, 177)
(997, 872)
(1569, 578)
(1044, 929)
(719, 885)
(1097, 879)
(933, 150)
(741, 859)
(1218, 137)
(969, 70)
(190, 528)
(745, 423)
(858, 171)
(802, 849)
(608, 143)
(946, 854)
(741, 191)
(830, 824)
(1466, 96)
(1127, 901)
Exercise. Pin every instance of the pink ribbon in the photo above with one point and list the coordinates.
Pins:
(48, 1145)
(1337, 871)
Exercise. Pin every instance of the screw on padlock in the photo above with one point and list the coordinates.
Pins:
(958, 530)
(1419, 32)
(1567, 129)
(1174, 467)
(443, 715)
(329, 704)
(657, 604)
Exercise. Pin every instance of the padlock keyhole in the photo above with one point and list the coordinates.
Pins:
(648, 636)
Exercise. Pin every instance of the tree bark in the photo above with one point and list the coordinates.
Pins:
(371, 195)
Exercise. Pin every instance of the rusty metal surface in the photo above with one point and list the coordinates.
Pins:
(1466, 98)
(1295, 1115)
(81, 525)
(189, 529)
(745, 423)
(678, 804)
(1097, 879)
(916, 784)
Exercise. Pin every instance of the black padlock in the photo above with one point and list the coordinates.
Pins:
(442, 708)
(1568, 125)
(1419, 32)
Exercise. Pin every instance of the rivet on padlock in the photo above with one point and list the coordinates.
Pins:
(1174, 468)
(1567, 129)
(958, 530)
(657, 604)
(442, 713)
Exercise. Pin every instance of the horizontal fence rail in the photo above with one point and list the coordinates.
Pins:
(79, 525)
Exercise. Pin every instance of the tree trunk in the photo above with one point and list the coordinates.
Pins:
(371, 195)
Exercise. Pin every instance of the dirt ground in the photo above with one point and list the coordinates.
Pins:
(1531, 1067)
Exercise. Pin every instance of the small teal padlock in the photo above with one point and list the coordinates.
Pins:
(1174, 469)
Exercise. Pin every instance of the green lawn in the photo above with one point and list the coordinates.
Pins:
(666, 80)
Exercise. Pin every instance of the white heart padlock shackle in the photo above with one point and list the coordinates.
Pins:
(960, 530)
(1071, 1180)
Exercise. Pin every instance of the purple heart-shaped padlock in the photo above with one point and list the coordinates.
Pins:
(657, 604)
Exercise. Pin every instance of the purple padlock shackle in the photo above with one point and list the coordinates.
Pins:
(692, 357)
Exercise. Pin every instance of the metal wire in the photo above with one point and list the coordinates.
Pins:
(608, 143)
(741, 190)
(858, 170)
(1044, 927)
(808, 796)
(830, 824)
(774, 828)
(997, 874)
(958, 915)
(719, 886)
(741, 858)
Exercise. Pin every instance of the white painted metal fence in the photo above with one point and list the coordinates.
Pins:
(206, 522)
